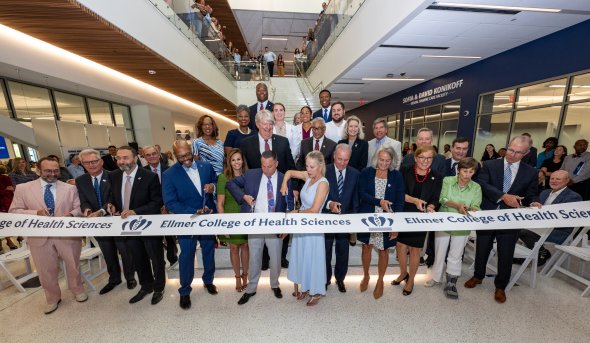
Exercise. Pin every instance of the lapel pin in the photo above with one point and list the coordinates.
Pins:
(388, 185)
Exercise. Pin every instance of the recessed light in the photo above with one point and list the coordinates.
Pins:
(274, 38)
(451, 56)
(497, 7)
(152, 72)
(345, 92)
(388, 79)
(563, 86)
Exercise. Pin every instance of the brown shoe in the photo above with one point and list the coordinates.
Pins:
(471, 283)
(500, 296)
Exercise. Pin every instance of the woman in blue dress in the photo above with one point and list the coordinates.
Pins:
(307, 265)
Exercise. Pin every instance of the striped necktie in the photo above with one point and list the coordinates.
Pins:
(507, 178)
(340, 183)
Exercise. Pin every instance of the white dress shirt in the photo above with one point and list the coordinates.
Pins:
(193, 174)
(335, 131)
(132, 174)
(261, 199)
(52, 189)
(514, 168)
(552, 196)
(261, 143)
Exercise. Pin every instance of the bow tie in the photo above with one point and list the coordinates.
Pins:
(194, 166)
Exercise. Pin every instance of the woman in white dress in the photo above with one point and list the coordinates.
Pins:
(282, 128)
(307, 265)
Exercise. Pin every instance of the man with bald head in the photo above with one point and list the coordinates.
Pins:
(262, 103)
(558, 194)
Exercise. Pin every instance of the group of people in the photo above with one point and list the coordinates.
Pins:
(321, 165)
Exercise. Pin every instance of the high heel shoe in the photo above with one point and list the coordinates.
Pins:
(395, 283)
(405, 292)
(239, 287)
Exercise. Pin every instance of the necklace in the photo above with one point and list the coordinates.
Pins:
(418, 176)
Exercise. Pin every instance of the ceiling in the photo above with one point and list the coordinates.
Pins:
(463, 33)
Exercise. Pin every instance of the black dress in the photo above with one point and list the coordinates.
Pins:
(428, 191)
(551, 167)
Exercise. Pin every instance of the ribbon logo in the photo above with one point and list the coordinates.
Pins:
(378, 223)
(135, 226)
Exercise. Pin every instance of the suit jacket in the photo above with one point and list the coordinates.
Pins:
(491, 180)
(320, 114)
(349, 200)
(109, 164)
(567, 195)
(430, 188)
(280, 145)
(146, 192)
(163, 168)
(439, 163)
(85, 186)
(531, 157)
(394, 191)
(180, 194)
(253, 110)
(360, 153)
(397, 147)
(307, 145)
(449, 171)
(249, 183)
(28, 199)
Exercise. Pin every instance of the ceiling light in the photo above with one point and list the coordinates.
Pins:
(497, 7)
(212, 40)
(451, 56)
(573, 86)
(152, 72)
(388, 79)
(274, 38)
(345, 92)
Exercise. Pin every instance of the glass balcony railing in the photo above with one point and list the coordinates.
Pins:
(247, 71)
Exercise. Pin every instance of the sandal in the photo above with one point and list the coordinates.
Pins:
(244, 277)
(302, 295)
(239, 287)
(313, 300)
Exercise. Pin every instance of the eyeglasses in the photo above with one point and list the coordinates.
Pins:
(321, 128)
(50, 171)
(153, 154)
(424, 159)
(184, 157)
(512, 151)
(91, 163)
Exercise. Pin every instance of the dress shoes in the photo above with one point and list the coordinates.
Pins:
(109, 287)
(82, 297)
(157, 297)
(185, 302)
(471, 283)
(264, 266)
(341, 286)
(284, 263)
(277, 292)
(50, 308)
(500, 296)
(211, 289)
(244, 299)
(131, 284)
(140, 295)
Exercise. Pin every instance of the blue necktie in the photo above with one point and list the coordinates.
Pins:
(270, 196)
(578, 168)
(97, 191)
(326, 115)
(340, 183)
(453, 171)
(507, 178)
(48, 198)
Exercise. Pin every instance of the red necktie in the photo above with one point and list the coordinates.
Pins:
(266, 145)
(317, 145)
(261, 106)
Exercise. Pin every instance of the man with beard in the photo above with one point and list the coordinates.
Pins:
(47, 196)
(335, 128)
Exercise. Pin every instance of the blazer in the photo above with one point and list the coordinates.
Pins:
(349, 200)
(359, 158)
(394, 191)
(491, 180)
(430, 188)
(249, 183)
(307, 145)
(28, 199)
(109, 164)
(85, 186)
(146, 192)
(181, 195)
(163, 168)
(397, 147)
(320, 114)
(567, 195)
(449, 171)
(253, 110)
(439, 163)
(280, 145)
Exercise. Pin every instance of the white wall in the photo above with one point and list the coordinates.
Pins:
(153, 126)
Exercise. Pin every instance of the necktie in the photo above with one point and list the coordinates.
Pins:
(270, 196)
(340, 183)
(266, 145)
(507, 178)
(325, 114)
(97, 191)
(155, 170)
(49, 201)
(578, 168)
(261, 106)
(453, 171)
(127, 193)
(317, 145)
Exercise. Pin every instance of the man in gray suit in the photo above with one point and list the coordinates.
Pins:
(381, 139)
(558, 194)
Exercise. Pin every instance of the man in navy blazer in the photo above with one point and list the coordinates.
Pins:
(326, 111)
(558, 194)
(459, 149)
(262, 103)
(342, 199)
(188, 188)
(505, 183)
(251, 191)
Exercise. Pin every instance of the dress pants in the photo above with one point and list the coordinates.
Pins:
(171, 249)
(341, 266)
(284, 250)
(148, 258)
(506, 242)
(46, 258)
(456, 246)
(271, 67)
(186, 261)
(109, 247)
(255, 245)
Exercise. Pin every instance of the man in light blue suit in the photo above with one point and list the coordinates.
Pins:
(188, 187)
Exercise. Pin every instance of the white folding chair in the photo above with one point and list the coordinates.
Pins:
(87, 254)
(531, 256)
(557, 253)
(582, 252)
(21, 254)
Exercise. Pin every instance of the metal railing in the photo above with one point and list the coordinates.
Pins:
(248, 71)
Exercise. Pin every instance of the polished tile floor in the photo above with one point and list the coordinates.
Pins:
(553, 312)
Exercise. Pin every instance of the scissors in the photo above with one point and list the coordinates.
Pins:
(203, 210)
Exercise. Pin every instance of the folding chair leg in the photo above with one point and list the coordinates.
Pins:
(586, 291)
(557, 264)
(12, 279)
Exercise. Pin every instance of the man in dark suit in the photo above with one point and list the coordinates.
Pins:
(188, 189)
(342, 199)
(246, 189)
(252, 148)
(459, 149)
(94, 190)
(531, 157)
(505, 183)
(558, 194)
(317, 142)
(326, 111)
(261, 104)
(154, 164)
(136, 191)
(110, 160)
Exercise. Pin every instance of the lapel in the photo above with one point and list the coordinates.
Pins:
(137, 183)
(187, 180)
(519, 176)
(560, 198)
(256, 183)
(278, 194)
(37, 193)
(104, 184)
